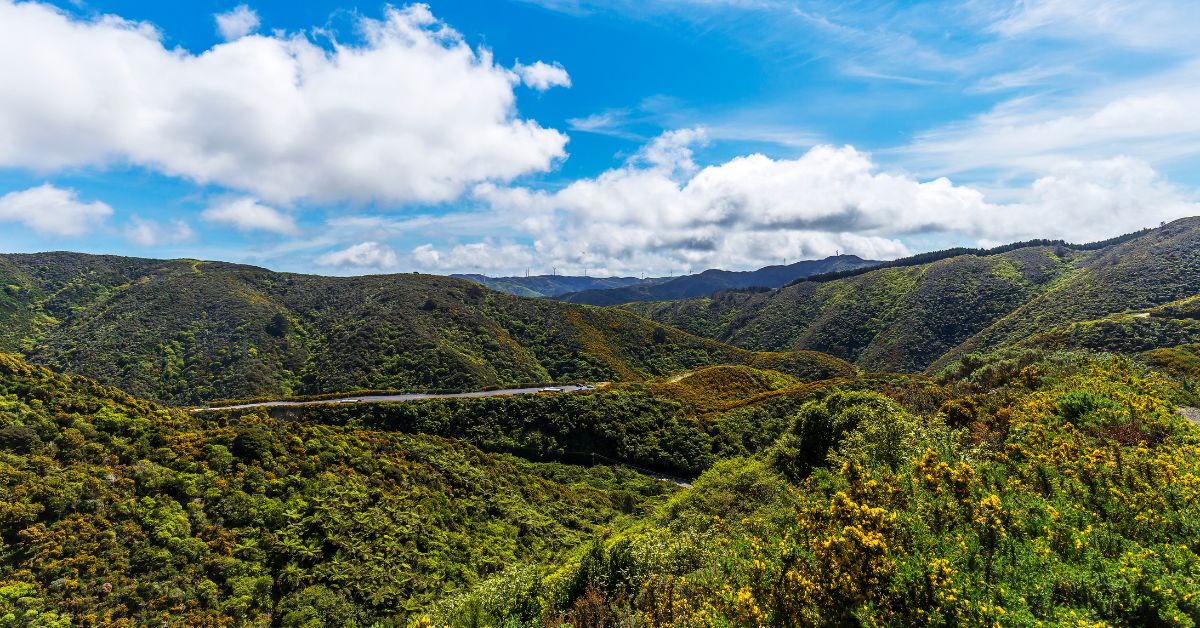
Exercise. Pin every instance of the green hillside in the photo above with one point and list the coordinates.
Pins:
(184, 331)
(1001, 494)
(1135, 331)
(117, 511)
(1047, 490)
(892, 319)
(1156, 268)
(915, 317)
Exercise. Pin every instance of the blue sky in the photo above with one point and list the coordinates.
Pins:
(603, 137)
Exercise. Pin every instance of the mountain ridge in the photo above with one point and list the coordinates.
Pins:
(917, 317)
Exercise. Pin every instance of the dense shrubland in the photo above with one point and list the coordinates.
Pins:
(1020, 487)
(1059, 489)
(114, 510)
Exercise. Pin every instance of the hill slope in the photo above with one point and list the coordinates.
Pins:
(119, 509)
(185, 331)
(710, 281)
(891, 319)
(911, 318)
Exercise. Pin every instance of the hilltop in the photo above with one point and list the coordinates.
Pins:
(185, 331)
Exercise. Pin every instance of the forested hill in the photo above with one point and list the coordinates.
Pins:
(712, 280)
(185, 331)
(910, 318)
(117, 511)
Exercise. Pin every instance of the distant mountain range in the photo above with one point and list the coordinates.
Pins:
(555, 285)
(710, 281)
(617, 290)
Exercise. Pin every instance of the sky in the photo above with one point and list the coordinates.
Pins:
(613, 137)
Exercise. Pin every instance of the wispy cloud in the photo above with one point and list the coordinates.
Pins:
(1152, 118)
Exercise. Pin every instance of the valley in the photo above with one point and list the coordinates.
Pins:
(792, 482)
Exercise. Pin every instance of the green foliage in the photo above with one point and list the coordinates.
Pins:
(117, 511)
(863, 428)
(185, 331)
(627, 424)
(1051, 523)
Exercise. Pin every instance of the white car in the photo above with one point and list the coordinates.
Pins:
(550, 389)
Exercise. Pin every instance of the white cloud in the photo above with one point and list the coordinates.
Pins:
(482, 256)
(247, 214)
(361, 256)
(542, 76)
(413, 114)
(1153, 119)
(237, 23)
(1136, 23)
(660, 212)
(153, 233)
(53, 211)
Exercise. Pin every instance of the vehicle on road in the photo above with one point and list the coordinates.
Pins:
(550, 389)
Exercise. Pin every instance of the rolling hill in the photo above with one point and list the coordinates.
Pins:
(912, 317)
(710, 281)
(184, 331)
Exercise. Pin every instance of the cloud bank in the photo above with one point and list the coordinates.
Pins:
(661, 212)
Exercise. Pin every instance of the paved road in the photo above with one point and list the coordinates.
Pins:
(395, 398)
(1193, 414)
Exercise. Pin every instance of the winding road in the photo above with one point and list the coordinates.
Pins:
(480, 393)
(401, 398)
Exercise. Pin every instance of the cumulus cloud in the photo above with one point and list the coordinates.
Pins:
(481, 256)
(153, 233)
(237, 23)
(411, 114)
(660, 211)
(247, 214)
(361, 256)
(542, 76)
(53, 211)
